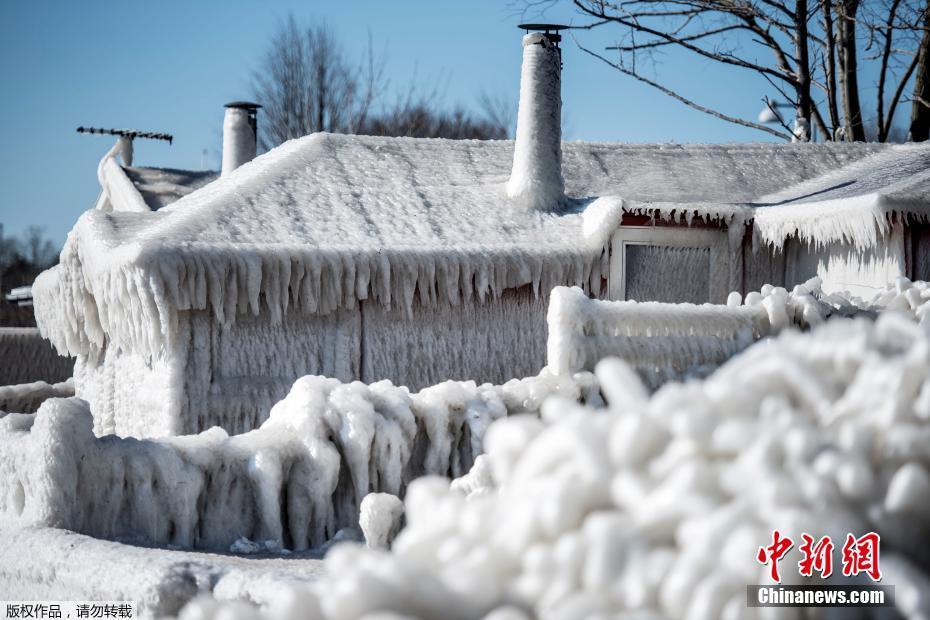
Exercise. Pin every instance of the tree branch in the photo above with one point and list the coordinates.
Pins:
(688, 102)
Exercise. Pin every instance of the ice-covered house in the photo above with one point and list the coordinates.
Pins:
(422, 260)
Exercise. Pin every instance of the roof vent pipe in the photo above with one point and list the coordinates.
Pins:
(536, 180)
(240, 135)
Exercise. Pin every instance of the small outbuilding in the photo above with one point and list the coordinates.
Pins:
(420, 260)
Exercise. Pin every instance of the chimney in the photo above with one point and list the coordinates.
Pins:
(240, 134)
(536, 180)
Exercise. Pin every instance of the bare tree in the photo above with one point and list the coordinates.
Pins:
(37, 250)
(810, 51)
(920, 105)
(306, 83)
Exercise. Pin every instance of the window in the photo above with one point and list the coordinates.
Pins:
(669, 263)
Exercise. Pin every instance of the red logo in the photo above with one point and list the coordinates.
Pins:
(817, 557)
(860, 555)
(774, 552)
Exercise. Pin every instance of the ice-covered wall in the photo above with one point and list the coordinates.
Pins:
(844, 268)
(658, 506)
(26, 357)
(297, 480)
(536, 178)
(230, 374)
(488, 342)
(132, 396)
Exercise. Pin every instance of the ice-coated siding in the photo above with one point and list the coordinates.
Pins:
(485, 342)
(231, 374)
(842, 267)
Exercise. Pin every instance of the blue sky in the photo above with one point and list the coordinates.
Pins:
(171, 65)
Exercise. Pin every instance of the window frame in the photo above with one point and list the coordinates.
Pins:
(670, 236)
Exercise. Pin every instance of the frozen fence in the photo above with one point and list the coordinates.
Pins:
(660, 340)
(27, 397)
(296, 481)
(26, 357)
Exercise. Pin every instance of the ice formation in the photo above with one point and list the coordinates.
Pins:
(665, 341)
(380, 518)
(656, 507)
(297, 480)
(336, 237)
(536, 178)
(671, 341)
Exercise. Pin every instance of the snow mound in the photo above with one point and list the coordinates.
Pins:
(295, 481)
(657, 506)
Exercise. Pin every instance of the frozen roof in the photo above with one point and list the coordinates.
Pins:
(162, 186)
(323, 221)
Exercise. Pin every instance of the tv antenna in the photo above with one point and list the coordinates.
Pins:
(128, 133)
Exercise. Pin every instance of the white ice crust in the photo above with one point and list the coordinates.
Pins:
(656, 507)
(536, 178)
(296, 481)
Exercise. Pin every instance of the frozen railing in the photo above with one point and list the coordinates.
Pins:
(664, 341)
(660, 340)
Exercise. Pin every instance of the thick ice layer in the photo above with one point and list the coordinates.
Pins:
(296, 481)
(26, 357)
(658, 506)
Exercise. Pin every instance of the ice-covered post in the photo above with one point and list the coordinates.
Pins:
(239, 135)
(536, 179)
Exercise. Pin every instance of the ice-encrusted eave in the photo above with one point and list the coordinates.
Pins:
(605, 214)
(861, 220)
(115, 288)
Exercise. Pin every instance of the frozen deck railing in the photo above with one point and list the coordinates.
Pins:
(660, 340)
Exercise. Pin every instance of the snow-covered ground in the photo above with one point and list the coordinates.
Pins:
(53, 564)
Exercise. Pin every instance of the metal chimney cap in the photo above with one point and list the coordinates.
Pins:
(245, 105)
(551, 31)
(543, 27)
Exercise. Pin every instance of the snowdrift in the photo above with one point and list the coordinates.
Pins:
(295, 481)
(656, 506)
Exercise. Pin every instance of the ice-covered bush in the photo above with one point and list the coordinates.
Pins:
(656, 507)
